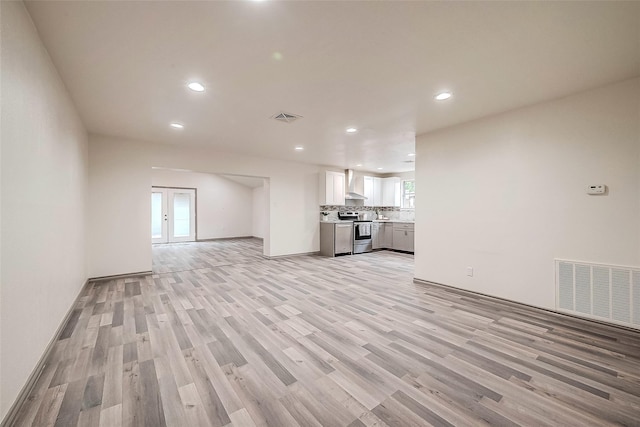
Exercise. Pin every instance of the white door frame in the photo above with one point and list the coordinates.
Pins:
(168, 219)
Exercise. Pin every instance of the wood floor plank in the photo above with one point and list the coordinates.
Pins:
(220, 335)
(132, 411)
(225, 352)
(111, 417)
(211, 402)
(194, 412)
(326, 386)
(170, 396)
(396, 415)
(241, 418)
(151, 398)
(272, 363)
(89, 417)
(228, 397)
(361, 391)
(71, 404)
(50, 406)
(252, 392)
(299, 412)
(93, 392)
(324, 407)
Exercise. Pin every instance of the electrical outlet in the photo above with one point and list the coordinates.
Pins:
(597, 189)
(470, 271)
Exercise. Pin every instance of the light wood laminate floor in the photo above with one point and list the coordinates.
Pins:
(221, 336)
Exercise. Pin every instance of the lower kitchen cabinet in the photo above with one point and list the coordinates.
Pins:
(382, 235)
(377, 235)
(393, 235)
(336, 238)
(388, 235)
(403, 237)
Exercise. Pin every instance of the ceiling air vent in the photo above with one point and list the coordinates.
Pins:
(286, 117)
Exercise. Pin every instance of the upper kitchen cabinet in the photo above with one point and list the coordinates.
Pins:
(391, 191)
(331, 188)
(373, 191)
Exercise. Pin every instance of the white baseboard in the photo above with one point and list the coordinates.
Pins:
(120, 276)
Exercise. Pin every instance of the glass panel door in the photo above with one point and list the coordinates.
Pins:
(181, 202)
(159, 216)
(182, 227)
(173, 215)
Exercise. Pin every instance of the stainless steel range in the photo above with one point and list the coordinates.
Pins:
(362, 229)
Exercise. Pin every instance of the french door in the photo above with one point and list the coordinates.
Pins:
(173, 215)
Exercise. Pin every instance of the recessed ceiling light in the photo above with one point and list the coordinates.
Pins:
(379, 169)
(196, 87)
(352, 130)
(299, 148)
(442, 96)
(176, 125)
(411, 154)
(359, 165)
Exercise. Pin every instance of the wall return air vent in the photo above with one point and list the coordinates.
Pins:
(603, 292)
(286, 117)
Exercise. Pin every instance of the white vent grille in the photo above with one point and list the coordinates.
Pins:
(286, 117)
(603, 292)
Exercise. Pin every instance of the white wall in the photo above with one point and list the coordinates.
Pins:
(507, 194)
(44, 178)
(119, 209)
(119, 201)
(223, 207)
(259, 217)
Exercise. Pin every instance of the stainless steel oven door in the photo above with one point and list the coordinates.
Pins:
(362, 230)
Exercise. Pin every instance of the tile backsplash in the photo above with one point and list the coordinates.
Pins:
(370, 212)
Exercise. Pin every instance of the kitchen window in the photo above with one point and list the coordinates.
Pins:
(408, 194)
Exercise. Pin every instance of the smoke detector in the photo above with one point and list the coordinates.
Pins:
(286, 117)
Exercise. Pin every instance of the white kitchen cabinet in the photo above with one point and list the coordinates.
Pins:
(403, 237)
(373, 191)
(391, 193)
(331, 188)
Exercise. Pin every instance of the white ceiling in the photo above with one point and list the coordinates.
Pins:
(372, 65)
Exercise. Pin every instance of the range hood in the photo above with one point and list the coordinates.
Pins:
(354, 187)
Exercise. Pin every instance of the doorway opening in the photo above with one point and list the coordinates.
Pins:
(227, 207)
(173, 215)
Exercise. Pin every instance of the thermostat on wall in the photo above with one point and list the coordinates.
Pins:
(597, 189)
